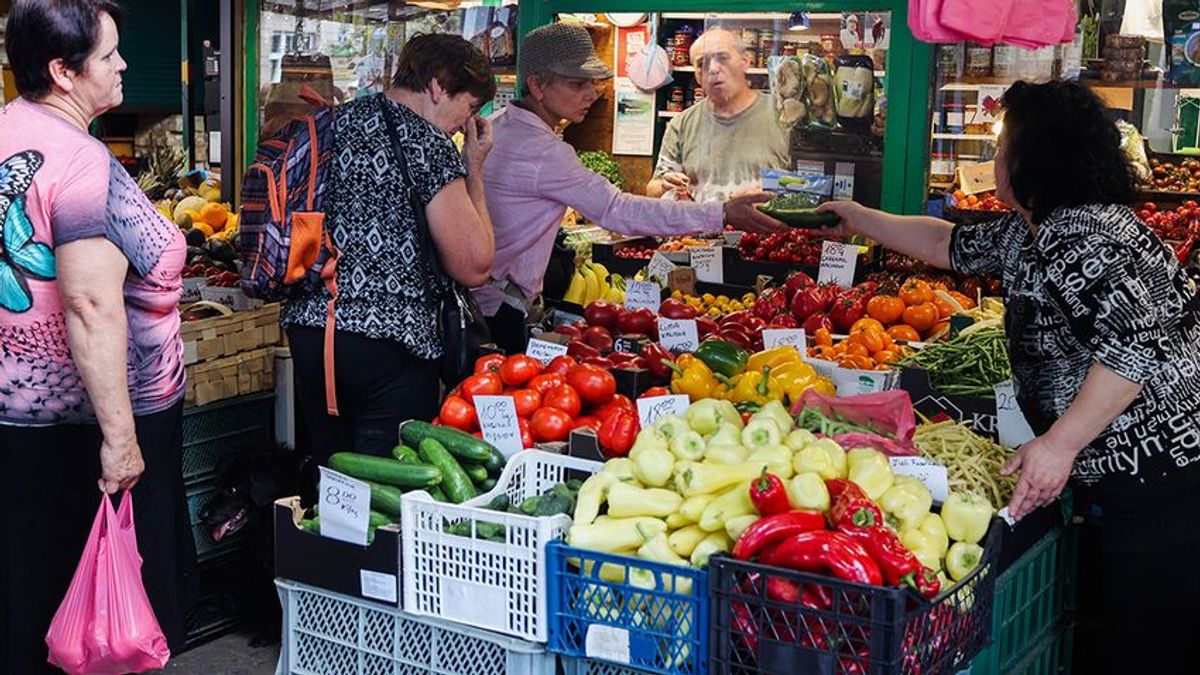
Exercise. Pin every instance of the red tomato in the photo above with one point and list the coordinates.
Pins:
(550, 424)
(594, 384)
(565, 398)
(527, 401)
(486, 384)
(526, 432)
(545, 382)
(519, 369)
(488, 363)
(457, 413)
(560, 365)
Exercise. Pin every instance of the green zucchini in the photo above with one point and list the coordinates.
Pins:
(476, 473)
(455, 482)
(405, 455)
(495, 463)
(799, 217)
(458, 443)
(385, 499)
(384, 470)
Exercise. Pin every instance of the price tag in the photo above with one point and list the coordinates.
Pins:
(977, 178)
(1007, 516)
(792, 337)
(377, 585)
(544, 350)
(929, 472)
(607, 643)
(678, 334)
(650, 410)
(498, 422)
(345, 504)
(709, 264)
(643, 295)
(1011, 425)
(733, 238)
(838, 262)
(659, 268)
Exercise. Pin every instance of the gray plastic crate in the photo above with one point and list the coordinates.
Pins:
(212, 431)
(330, 634)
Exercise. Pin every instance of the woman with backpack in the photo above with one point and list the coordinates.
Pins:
(386, 345)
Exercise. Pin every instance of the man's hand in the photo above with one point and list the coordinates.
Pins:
(120, 465)
(1045, 466)
(478, 143)
(741, 214)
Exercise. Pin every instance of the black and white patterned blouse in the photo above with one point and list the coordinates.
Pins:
(385, 287)
(1096, 285)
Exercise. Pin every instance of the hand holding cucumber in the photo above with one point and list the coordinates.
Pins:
(741, 214)
(120, 465)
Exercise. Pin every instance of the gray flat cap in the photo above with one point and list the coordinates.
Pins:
(562, 49)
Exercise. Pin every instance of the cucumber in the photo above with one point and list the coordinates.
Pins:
(438, 494)
(799, 217)
(385, 499)
(384, 470)
(313, 526)
(455, 482)
(374, 519)
(405, 455)
(458, 443)
(476, 473)
(495, 463)
(487, 485)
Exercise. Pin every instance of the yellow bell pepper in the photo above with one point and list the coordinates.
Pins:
(807, 491)
(908, 499)
(796, 378)
(772, 358)
(870, 470)
(692, 377)
(962, 558)
(967, 516)
(755, 387)
(934, 528)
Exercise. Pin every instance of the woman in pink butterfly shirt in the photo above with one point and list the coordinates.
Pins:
(91, 362)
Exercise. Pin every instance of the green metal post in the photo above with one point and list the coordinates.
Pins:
(185, 45)
(250, 69)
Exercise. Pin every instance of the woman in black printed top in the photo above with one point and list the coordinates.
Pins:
(1104, 336)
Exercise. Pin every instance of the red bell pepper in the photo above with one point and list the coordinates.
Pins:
(816, 596)
(928, 583)
(776, 528)
(783, 590)
(618, 432)
(837, 486)
(769, 495)
(655, 391)
(898, 564)
(853, 509)
(655, 356)
(830, 553)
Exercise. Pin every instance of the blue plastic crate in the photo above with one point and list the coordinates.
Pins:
(649, 616)
(210, 432)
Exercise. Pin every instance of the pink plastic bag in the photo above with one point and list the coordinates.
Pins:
(1039, 23)
(105, 624)
(980, 20)
(923, 21)
(889, 413)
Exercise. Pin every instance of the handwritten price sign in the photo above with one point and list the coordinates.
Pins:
(498, 422)
(345, 505)
(652, 409)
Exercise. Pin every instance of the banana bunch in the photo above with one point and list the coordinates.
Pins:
(592, 282)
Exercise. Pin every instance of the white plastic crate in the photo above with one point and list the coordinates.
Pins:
(573, 666)
(500, 587)
(330, 634)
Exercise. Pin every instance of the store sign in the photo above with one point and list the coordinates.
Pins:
(678, 334)
(654, 408)
(643, 295)
(929, 472)
(544, 350)
(708, 263)
(791, 337)
(1011, 425)
(498, 422)
(838, 262)
(345, 504)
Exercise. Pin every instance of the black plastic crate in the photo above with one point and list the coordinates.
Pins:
(210, 432)
(869, 630)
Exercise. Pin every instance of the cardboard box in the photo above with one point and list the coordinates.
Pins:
(978, 413)
(370, 572)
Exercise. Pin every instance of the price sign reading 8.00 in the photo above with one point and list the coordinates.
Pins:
(345, 503)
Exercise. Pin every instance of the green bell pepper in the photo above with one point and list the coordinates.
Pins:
(723, 357)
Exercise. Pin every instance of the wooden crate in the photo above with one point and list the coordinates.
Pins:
(230, 376)
(222, 336)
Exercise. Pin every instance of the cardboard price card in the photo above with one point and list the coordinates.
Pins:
(929, 472)
(1011, 425)
(678, 334)
(660, 268)
(643, 295)
(498, 422)
(345, 507)
(544, 350)
(791, 337)
(709, 264)
(654, 408)
(838, 262)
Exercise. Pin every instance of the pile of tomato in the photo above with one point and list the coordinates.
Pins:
(794, 246)
(1172, 224)
(870, 345)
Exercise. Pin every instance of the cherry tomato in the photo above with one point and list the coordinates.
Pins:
(519, 369)
(565, 398)
(527, 401)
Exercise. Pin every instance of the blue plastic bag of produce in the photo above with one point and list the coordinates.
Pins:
(105, 624)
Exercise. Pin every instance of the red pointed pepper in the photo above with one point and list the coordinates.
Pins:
(655, 356)
(618, 432)
(852, 508)
(830, 553)
(773, 529)
(898, 564)
(769, 495)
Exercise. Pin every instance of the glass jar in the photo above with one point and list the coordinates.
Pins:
(979, 61)
(942, 167)
(951, 60)
(1004, 61)
(675, 100)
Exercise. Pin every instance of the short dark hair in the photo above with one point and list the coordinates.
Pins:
(457, 65)
(1063, 148)
(40, 31)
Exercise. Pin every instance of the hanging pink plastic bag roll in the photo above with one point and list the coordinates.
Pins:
(1039, 23)
(105, 625)
(923, 21)
(980, 20)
